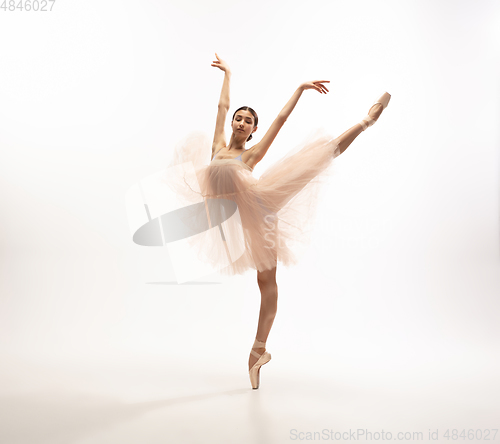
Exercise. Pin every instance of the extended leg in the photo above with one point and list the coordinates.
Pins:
(348, 137)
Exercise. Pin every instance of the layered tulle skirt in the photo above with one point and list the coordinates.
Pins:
(247, 222)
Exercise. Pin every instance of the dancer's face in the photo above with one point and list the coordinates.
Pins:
(243, 124)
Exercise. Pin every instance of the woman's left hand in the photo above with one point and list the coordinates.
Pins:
(317, 85)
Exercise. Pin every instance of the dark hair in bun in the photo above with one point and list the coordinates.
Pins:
(254, 114)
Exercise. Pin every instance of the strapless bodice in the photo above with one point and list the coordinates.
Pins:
(234, 161)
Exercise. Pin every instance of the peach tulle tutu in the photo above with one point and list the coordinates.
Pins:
(250, 222)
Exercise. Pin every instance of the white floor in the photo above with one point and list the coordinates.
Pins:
(174, 368)
(182, 400)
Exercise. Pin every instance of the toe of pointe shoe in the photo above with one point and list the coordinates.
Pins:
(383, 100)
(254, 372)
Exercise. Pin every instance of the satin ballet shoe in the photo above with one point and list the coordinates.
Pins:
(262, 359)
(384, 101)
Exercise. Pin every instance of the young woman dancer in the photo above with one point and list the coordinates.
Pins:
(273, 209)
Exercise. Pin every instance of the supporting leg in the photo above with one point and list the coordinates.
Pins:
(268, 308)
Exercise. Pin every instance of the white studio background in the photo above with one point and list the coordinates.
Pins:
(402, 273)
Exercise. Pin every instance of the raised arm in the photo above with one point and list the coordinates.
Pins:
(220, 136)
(259, 150)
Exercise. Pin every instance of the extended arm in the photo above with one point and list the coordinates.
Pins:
(288, 108)
(219, 136)
(260, 149)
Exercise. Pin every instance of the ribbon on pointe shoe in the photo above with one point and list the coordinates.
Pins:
(257, 344)
(366, 122)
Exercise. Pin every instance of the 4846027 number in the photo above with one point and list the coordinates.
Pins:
(27, 5)
(471, 434)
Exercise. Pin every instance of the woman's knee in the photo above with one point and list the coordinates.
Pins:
(267, 278)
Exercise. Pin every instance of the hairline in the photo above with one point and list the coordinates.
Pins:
(248, 111)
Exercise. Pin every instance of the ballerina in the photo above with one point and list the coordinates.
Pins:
(269, 214)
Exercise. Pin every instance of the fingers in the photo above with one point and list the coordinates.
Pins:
(320, 82)
(324, 88)
(217, 64)
(321, 88)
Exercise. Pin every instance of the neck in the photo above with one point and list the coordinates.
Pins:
(235, 144)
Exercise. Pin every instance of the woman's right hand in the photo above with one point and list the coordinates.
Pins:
(221, 64)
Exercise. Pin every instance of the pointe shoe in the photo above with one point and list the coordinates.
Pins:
(384, 101)
(262, 359)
